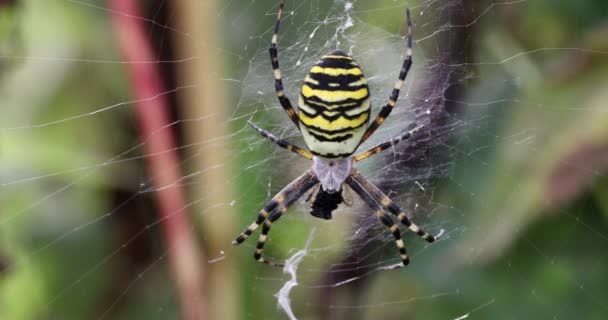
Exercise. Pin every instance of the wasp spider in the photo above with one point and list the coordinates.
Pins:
(333, 113)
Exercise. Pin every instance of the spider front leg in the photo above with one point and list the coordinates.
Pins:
(273, 211)
(386, 220)
(278, 79)
(274, 216)
(262, 215)
(259, 248)
(390, 206)
(392, 101)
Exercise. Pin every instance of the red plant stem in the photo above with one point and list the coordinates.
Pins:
(163, 167)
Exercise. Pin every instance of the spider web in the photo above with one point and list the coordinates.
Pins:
(509, 168)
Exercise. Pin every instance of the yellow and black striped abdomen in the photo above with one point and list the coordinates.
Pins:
(334, 106)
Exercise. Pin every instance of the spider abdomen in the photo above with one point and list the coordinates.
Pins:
(334, 106)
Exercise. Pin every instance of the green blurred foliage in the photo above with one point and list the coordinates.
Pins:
(47, 78)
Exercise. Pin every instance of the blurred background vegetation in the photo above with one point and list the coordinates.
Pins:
(524, 200)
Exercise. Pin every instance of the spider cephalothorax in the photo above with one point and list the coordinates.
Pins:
(334, 108)
(331, 174)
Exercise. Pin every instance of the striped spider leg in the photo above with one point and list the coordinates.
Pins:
(378, 201)
(278, 79)
(385, 145)
(390, 206)
(280, 142)
(274, 210)
(380, 214)
(392, 101)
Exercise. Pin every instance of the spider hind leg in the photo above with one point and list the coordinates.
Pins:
(392, 101)
(278, 79)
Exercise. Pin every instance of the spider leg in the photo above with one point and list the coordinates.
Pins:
(282, 143)
(392, 101)
(390, 206)
(386, 220)
(278, 200)
(273, 211)
(275, 215)
(262, 215)
(259, 248)
(385, 145)
(278, 80)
